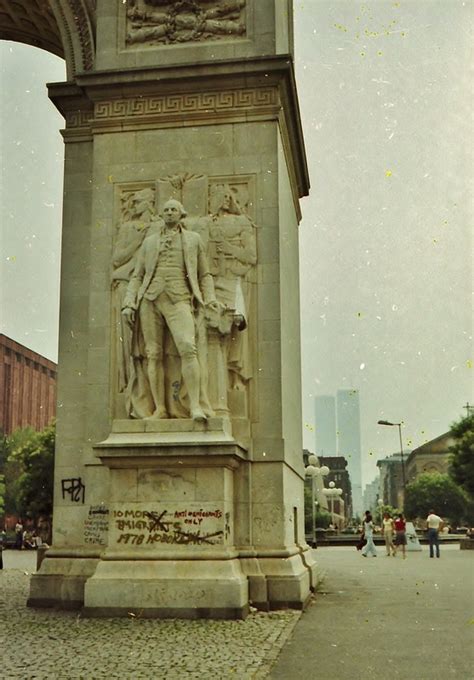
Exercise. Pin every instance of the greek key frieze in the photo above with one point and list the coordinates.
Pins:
(77, 119)
(187, 103)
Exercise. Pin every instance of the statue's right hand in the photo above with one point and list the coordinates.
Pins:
(129, 315)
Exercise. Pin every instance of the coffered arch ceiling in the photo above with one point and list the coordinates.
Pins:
(64, 27)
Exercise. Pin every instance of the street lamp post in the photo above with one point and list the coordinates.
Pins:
(399, 425)
(332, 493)
(313, 470)
(331, 498)
(380, 503)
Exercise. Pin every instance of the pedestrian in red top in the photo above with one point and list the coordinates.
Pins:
(400, 535)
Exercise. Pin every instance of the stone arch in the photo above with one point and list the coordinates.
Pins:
(64, 27)
(432, 467)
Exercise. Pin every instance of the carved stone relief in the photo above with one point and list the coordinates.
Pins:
(230, 240)
(138, 218)
(155, 22)
(184, 253)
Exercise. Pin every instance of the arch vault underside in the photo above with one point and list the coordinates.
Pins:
(64, 27)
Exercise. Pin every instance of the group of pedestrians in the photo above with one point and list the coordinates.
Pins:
(394, 533)
(26, 539)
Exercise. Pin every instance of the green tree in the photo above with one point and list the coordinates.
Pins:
(2, 494)
(322, 517)
(438, 492)
(31, 454)
(379, 512)
(11, 467)
(461, 466)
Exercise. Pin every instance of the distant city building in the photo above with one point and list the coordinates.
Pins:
(27, 387)
(348, 441)
(372, 494)
(340, 476)
(391, 480)
(325, 420)
(430, 457)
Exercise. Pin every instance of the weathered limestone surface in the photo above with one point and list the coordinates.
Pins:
(179, 475)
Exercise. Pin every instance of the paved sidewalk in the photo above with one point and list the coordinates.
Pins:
(40, 643)
(386, 618)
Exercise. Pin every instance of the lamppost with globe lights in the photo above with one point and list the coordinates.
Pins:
(332, 493)
(380, 503)
(313, 470)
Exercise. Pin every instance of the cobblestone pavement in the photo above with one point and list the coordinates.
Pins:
(40, 643)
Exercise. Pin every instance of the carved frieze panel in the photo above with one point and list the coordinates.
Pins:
(165, 22)
(206, 261)
(202, 103)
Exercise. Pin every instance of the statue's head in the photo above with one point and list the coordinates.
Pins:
(142, 201)
(173, 211)
(224, 200)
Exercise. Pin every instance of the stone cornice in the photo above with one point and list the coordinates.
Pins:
(226, 91)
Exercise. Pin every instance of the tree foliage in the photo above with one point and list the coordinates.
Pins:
(11, 467)
(2, 494)
(462, 454)
(379, 512)
(438, 492)
(31, 456)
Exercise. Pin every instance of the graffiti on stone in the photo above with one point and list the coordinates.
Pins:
(74, 488)
(179, 526)
(96, 525)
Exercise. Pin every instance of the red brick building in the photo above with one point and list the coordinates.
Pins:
(27, 387)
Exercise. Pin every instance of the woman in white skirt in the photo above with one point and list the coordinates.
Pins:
(369, 548)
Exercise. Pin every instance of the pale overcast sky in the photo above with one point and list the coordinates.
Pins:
(386, 236)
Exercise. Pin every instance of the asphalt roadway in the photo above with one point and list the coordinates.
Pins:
(386, 618)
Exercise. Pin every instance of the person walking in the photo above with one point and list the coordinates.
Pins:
(369, 547)
(400, 535)
(387, 533)
(19, 535)
(434, 523)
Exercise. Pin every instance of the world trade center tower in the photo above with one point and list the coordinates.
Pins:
(349, 441)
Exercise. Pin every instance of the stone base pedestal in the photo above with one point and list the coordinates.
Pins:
(185, 589)
(280, 582)
(60, 581)
(171, 538)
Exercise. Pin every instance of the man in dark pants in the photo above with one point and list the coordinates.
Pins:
(434, 523)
